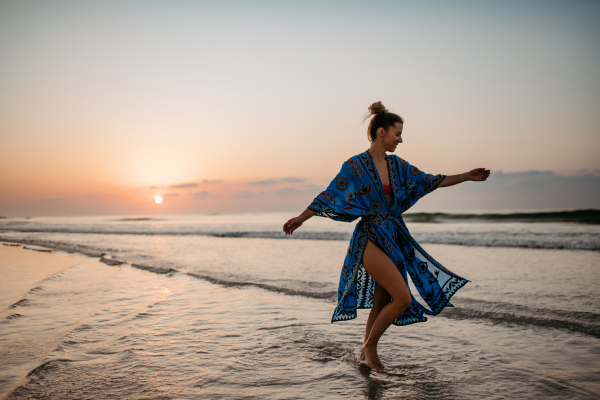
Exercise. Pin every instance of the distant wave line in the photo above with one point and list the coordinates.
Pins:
(588, 216)
(484, 239)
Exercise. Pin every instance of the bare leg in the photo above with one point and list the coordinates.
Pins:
(380, 299)
(386, 274)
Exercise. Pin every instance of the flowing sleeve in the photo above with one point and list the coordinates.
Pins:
(346, 196)
(415, 183)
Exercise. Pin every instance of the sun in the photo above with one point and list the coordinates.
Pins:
(158, 199)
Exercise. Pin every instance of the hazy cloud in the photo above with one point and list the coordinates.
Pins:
(91, 196)
(288, 192)
(544, 182)
(200, 195)
(170, 194)
(305, 190)
(293, 179)
(585, 171)
(289, 179)
(314, 188)
(54, 199)
(265, 182)
(212, 181)
(518, 191)
(242, 194)
(183, 185)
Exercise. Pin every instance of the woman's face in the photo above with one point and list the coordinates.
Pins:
(393, 137)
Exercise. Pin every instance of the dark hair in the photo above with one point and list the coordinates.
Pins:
(382, 118)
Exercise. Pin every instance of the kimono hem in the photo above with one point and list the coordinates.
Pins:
(357, 191)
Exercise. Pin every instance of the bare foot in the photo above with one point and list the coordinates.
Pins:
(369, 355)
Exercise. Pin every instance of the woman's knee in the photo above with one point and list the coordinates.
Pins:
(378, 304)
(402, 302)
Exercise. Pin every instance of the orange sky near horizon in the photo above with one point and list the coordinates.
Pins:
(259, 106)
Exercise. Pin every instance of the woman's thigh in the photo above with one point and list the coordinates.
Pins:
(384, 271)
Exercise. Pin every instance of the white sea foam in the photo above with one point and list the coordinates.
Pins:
(544, 235)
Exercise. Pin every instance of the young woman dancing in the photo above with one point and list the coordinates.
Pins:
(378, 188)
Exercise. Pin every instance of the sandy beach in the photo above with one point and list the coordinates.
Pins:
(167, 309)
(23, 269)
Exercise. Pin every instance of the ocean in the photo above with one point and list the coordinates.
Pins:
(226, 306)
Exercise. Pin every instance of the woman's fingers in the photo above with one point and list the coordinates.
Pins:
(480, 174)
(483, 174)
(290, 226)
(286, 227)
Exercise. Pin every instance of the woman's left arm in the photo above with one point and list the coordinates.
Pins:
(477, 174)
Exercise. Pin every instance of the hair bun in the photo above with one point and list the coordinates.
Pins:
(377, 109)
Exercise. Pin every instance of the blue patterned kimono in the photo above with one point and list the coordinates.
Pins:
(357, 191)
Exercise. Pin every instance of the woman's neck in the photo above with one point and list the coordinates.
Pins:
(377, 152)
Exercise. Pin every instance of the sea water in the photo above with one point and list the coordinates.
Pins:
(226, 306)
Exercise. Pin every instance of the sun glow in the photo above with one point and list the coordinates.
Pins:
(158, 199)
(138, 166)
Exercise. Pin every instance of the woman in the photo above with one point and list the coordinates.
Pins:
(379, 188)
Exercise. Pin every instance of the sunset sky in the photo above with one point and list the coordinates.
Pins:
(236, 106)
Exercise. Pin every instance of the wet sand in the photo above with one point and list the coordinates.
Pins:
(24, 267)
(123, 330)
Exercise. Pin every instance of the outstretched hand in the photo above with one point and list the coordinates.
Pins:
(478, 174)
(293, 224)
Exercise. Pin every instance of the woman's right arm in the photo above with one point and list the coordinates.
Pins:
(295, 223)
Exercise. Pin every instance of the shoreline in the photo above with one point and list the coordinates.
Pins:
(24, 267)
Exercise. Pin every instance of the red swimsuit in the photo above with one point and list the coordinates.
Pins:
(387, 189)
